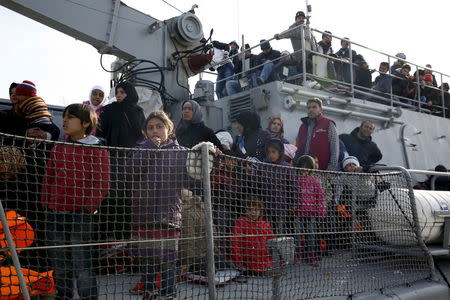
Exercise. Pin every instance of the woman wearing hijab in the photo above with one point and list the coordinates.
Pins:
(276, 129)
(192, 130)
(252, 139)
(121, 121)
(97, 99)
(120, 126)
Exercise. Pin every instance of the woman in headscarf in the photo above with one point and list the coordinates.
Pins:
(252, 139)
(192, 130)
(276, 129)
(121, 121)
(120, 126)
(97, 99)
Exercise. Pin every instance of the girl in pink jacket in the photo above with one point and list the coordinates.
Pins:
(311, 206)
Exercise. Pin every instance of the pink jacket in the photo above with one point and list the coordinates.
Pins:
(311, 197)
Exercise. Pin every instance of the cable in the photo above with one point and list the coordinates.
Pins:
(172, 6)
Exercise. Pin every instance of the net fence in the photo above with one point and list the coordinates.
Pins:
(105, 223)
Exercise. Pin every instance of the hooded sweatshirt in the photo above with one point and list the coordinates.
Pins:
(366, 151)
(76, 178)
(277, 183)
(121, 122)
(190, 133)
(252, 142)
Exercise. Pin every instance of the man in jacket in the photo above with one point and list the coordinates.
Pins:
(318, 136)
(359, 144)
(295, 33)
(266, 58)
(244, 80)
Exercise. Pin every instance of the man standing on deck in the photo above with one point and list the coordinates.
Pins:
(359, 144)
(318, 136)
(294, 32)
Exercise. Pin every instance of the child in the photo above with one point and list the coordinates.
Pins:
(97, 99)
(277, 186)
(249, 239)
(311, 205)
(75, 183)
(157, 178)
(30, 106)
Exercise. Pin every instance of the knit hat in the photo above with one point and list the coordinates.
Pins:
(350, 160)
(264, 44)
(26, 88)
(401, 55)
(299, 14)
(233, 42)
(428, 77)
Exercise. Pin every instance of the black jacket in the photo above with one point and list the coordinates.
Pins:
(366, 151)
(195, 134)
(262, 57)
(11, 123)
(255, 144)
(121, 122)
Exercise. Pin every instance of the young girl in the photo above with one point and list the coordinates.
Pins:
(249, 239)
(311, 205)
(76, 181)
(157, 179)
(97, 99)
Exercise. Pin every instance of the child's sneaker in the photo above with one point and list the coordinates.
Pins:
(298, 258)
(313, 260)
(138, 288)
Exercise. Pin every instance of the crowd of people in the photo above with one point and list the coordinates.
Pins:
(269, 65)
(75, 193)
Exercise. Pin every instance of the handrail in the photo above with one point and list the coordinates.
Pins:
(433, 179)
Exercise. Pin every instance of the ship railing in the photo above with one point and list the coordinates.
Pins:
(107, 217)
(433, 175)
(367, 94)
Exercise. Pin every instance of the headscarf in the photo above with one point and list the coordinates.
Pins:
(249, 120)
(104, 101)
(197, 116)
(279, 135)
(132, 95)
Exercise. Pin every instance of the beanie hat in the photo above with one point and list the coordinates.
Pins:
(350, 160)
(264, 44)
(428, 77)
(401, 55)
(299, 14)
(26, 88)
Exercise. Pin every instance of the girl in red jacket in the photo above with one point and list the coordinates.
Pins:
(249, 240)
(76, 181)
(311, 206)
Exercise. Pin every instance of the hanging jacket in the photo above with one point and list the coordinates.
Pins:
(250, 252)
(76, 178)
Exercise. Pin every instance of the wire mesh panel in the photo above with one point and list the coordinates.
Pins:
(110, 223)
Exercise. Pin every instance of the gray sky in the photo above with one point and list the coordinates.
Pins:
(64, 69)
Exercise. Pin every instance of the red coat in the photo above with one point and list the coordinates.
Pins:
(76, 178)
(319, 144)
(250, 252)
(311, 197)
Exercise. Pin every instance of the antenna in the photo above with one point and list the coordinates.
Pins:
(308, 11)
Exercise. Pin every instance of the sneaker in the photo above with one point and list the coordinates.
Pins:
(138, 288)
(314, 261)
(149, 296)
(260, 81)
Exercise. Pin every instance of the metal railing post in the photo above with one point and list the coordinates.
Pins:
(15, 258)
(391, 95)
(418, 88)
(208, 223)
(350, 55)
(302, 41)
(442, 96)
